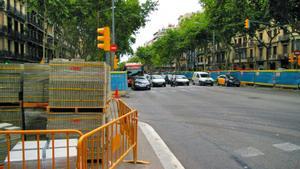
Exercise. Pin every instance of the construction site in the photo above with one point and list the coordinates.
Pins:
(63, 115)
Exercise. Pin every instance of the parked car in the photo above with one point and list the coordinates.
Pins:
(227, 80)
(157, 80)
(141, 82)
(202, 78)
(179, 80)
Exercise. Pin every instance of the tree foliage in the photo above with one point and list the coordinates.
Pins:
(77, 21)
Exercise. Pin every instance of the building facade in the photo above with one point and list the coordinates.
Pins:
(268, 49)
(21, 34)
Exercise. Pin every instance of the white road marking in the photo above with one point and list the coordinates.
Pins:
(166, 157)
(249, 152)
(287, 147)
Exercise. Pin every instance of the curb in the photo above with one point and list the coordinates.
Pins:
(166, 157)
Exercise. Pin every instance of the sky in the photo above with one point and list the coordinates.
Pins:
(168, 12)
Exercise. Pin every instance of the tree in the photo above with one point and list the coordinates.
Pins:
(78, 20)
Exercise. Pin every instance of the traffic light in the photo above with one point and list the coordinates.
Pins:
(116, 61)
(291, 58)
(247, 23)
(105, 38)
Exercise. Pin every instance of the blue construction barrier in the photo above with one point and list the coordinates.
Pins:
(119, 81)
(214, 75)
(265, 78)
(236, 74)
(288, 79)
(248, 77)
(282, 78)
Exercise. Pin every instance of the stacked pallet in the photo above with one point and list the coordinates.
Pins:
(78, 84)
(78, 92)
(12, 115)
(10, 82)
(10, 89)
(36, 83)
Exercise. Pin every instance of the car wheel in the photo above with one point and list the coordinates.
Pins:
(165, 85)
(238, 85)
(187, 83)
(200, 83)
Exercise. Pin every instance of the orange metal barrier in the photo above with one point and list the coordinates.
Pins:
(111, 142)
(38, 162)
(102, 148)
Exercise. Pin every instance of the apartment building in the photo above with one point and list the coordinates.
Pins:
(21, 33)
(269, 49)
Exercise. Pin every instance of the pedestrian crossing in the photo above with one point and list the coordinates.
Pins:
(247, 152)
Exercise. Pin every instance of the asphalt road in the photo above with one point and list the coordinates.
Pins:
(225, 128)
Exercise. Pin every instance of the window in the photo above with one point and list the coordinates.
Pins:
(8, 45)
(260, 36)
(22, 50)
(285, 50)
(268, 52)
(16, 48)
(16, 26)
(260, 52)
(251, 53)
(274, 51)
(9, 24)
(240, 41)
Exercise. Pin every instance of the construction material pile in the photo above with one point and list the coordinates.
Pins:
(36, 83)
(10, 82)
(78, 84)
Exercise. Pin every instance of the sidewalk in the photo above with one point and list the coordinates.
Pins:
(145, 153)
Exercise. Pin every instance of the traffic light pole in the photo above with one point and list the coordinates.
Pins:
(113, 32)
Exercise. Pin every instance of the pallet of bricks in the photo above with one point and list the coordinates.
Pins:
(78, 92)
(35, 95)
(10, 105)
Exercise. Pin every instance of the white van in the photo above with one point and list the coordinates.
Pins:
(202, 78)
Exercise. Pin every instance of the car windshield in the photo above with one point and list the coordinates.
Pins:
(157, 77)
(230, 77)
(141, 78)
(180, 77)
(204, 75)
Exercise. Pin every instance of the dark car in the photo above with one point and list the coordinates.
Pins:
(141, 82)
(228, 80)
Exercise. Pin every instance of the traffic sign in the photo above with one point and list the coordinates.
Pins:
(113, 47)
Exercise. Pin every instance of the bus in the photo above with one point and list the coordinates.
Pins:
(133, 69)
